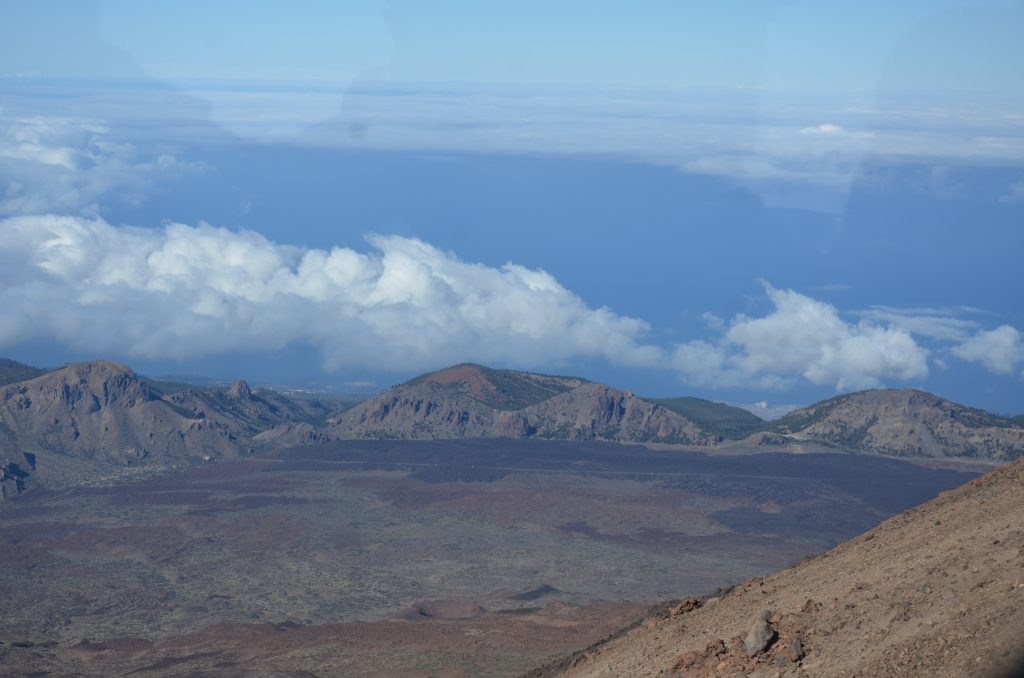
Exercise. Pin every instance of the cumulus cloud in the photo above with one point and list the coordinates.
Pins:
(183, 291)
(50, 163)
(401, 304)
(1000, 350)
(802, 338)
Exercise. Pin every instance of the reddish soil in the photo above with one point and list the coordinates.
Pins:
(474, 380)
(935, 591)
(490, 643)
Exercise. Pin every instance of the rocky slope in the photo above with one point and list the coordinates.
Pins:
(472, 401)
(935, 591)
(903, 423)
(90, 419)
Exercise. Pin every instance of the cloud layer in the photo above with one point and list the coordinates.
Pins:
(58, 164)
(758, 137)
(182, 291)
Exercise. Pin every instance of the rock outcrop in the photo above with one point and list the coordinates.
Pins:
(15, 468)
(102, 413)
(468, 401)
(903, 423)
(87, 420)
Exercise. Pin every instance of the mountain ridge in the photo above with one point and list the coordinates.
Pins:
(903, 422)
(470, 400)
(98, 419)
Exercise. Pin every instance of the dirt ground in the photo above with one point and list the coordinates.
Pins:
(487, 643)
(465, 558)
(935, 591)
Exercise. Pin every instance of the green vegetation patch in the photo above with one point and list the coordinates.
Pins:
(165, 388)
(11, 372)
(717, 418)
(516, 390)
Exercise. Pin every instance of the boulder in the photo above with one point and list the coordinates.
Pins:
(759, 638)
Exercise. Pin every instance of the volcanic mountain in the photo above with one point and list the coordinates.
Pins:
(95, 419)
(475, 402)
(88, 420)
(902, 423)
(934, 591)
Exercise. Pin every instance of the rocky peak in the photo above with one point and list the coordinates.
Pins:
(905, 422)
(240, 391)
(92, 385)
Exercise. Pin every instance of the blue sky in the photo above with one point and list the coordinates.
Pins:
(947, 45)
(744, 201)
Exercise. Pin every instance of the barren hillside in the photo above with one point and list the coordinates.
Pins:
(935, 591)
(473, 401)
(88, 420)
(904, 423)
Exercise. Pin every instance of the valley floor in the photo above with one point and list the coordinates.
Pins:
(484, 557)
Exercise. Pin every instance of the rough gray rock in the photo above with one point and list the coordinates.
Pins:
(904, 423)
(240, 391)
(89, 420)
(759, 639)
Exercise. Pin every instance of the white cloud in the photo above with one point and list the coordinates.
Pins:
(182, 291)
(768, 167)
(56, 164)
(712, 321)
(824, 128)
(756, 137)
(935, 323)
(802, 338)
(1000, 350)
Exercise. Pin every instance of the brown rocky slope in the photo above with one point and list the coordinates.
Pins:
(904, 423)
(470, 401)
(87, 420)
(935, 591)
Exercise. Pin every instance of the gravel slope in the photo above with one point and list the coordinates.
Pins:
(935, 591)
